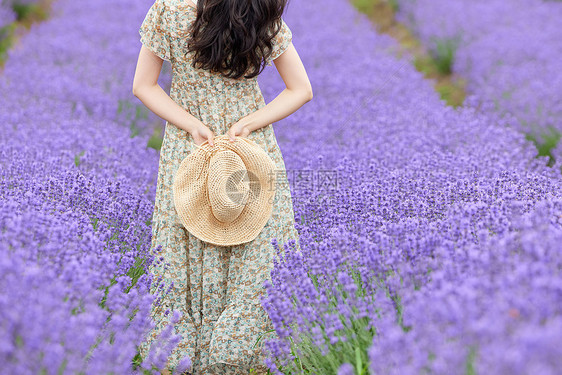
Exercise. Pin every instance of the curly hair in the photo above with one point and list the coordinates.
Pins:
(234, 37)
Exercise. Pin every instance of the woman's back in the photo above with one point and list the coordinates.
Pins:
(217, 100)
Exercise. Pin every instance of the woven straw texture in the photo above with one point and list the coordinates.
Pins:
(224, 194)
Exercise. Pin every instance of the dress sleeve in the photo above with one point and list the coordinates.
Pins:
(281, 41)
(154, 30)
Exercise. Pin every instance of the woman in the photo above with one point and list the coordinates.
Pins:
(217, 48)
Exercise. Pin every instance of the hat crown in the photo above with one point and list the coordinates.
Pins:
(224, 193)
(228, 185)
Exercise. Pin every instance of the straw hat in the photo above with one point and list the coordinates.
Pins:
(224, 193)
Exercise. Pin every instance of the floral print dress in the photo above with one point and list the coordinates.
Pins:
(216, 288)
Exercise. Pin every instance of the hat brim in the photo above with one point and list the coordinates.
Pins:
(192, 203)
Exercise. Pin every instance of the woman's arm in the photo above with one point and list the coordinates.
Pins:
(149, 92)
(298, 91)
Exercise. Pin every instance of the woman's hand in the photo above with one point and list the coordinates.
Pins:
(238, 129)
(201, 134)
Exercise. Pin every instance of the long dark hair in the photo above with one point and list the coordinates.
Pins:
(234, 37)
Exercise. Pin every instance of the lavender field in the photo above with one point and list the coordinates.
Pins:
(510, 52)
(430, 235)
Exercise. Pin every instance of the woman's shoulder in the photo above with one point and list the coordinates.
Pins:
(178, 15)
(177, 4)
